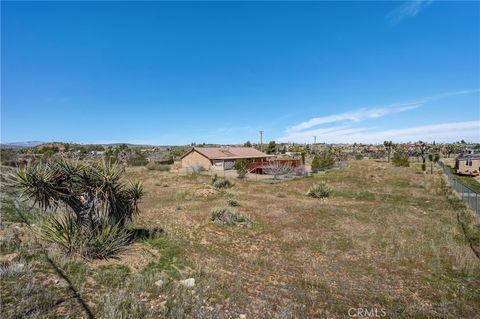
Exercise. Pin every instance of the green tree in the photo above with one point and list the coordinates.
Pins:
(324, 159)
(272, 147)
(247, 144)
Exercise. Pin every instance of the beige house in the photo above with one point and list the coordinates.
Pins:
(468, 164)
(221, 158)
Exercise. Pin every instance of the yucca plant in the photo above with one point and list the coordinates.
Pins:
(105, 240)
(319, 190)
(91, 191)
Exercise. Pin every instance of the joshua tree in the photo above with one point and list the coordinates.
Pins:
(433, 158)
(388, 147)
(91, 191)
(451, 148)
(422, 149)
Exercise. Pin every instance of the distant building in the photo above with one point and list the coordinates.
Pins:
(468, 164)
(221, 158)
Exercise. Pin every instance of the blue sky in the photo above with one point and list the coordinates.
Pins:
(218, 72)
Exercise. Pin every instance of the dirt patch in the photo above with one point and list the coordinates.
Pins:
(137, 257)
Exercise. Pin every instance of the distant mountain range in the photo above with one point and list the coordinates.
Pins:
(21, 144)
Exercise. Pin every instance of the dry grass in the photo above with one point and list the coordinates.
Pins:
(387, 237)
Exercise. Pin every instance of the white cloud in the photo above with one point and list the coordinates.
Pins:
(446, 132)
(373, 112)
(407, 10)
(354, 116)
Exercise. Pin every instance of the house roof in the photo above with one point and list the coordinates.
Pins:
(228, 153)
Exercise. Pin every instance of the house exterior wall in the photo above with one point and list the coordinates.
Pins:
(463, 168)
(196, 158)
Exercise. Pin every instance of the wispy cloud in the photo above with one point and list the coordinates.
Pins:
(407, 10)
(373, 112)
(445, 132)
(346, 126)
(354, 116)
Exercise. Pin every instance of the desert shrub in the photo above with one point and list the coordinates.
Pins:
(123, 305)
(400, 157)
(233, 202)
(226, 216)
(137, 158)
(358, 157)
(105, 240)
(424, 167)
(168, 161)
(222, 183)
(281, 195)
(13, 269)
(157, 167)
(319, 190)
(242, 167)
(300, 171)
(214, 178)
(195, 169)
(278, 169)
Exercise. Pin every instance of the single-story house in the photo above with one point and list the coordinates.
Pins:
(468, 164)
(221, 158)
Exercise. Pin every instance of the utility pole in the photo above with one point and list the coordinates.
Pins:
(314, 140)
(261, 141)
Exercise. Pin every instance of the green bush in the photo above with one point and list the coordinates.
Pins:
(226, 216)
(105, 240)
(242, 167)
(424, 167)
(358, 157)
(281, 195)
(400, 157)
(157, 167)
(319, 190)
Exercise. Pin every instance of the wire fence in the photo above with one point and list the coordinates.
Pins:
(470, 197)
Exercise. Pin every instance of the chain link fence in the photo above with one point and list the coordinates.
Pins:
(471, 198)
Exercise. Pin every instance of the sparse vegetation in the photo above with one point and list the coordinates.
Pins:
(382, 220)
(229, 217)
(157, 167)
(195, 169)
